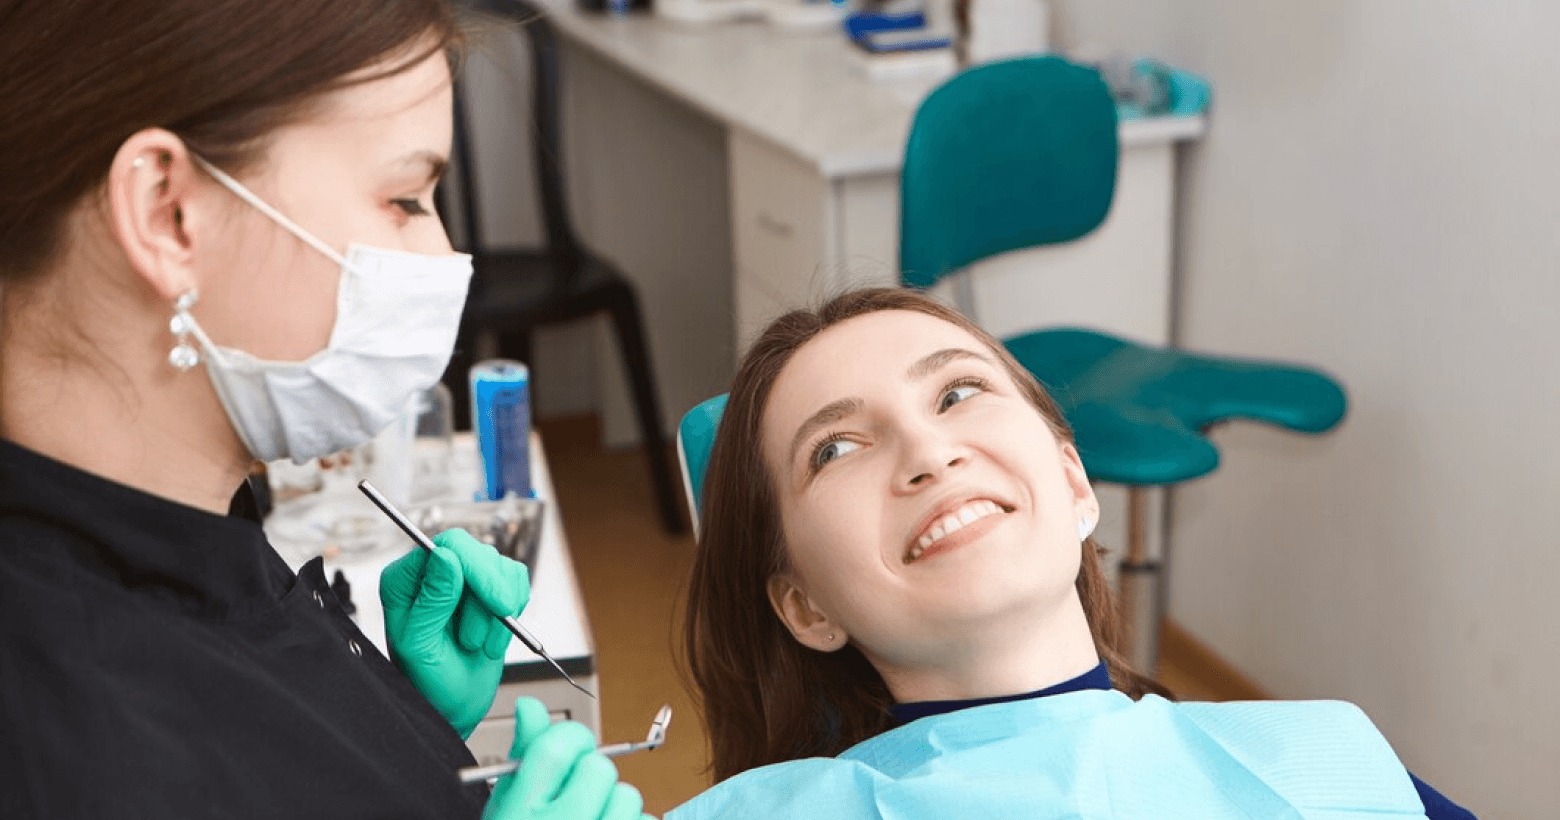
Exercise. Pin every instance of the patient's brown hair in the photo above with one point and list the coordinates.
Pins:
(765, 697)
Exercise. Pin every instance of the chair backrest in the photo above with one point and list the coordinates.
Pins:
(546, 143)
(695, 438)
(1006, 155)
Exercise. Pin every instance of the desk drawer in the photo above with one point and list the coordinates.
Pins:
(783, 225)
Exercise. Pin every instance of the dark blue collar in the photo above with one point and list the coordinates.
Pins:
(1096, 678)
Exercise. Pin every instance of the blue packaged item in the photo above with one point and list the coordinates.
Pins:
(860, 24)
(501, 420)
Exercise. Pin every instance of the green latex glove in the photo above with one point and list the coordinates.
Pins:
(438, 626)
(561, 775)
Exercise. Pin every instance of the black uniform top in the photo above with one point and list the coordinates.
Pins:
(160, 661)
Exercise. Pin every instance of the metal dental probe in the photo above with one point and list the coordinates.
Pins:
(426, 543)
(653, 740)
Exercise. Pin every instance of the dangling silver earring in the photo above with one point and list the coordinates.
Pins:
(184, 355)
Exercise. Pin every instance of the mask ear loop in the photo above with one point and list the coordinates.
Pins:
(264, 207)
(184, 355)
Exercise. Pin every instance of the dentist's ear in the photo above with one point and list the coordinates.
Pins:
(810, 626)
(150, 195)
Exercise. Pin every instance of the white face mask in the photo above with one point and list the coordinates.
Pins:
(397, 314)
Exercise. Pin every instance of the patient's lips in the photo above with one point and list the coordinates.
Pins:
(949, 521)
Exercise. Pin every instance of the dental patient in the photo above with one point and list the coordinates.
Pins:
(897, 610)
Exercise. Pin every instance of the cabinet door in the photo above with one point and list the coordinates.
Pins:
(783, 229)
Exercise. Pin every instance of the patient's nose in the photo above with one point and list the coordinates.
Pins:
(925, 459)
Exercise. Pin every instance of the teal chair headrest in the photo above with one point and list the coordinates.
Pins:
(1006, 155)
(695, 439)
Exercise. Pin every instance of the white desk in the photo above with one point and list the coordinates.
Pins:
(734, 171)
(555, 614)
(798, 90)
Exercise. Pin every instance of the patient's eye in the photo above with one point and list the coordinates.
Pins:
(830, 449)
(958, 390)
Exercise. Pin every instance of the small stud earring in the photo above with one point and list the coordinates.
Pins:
(1085, 529)
(184, 355)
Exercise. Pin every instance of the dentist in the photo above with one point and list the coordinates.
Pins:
(218, 246)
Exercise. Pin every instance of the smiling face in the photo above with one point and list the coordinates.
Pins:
(929, 511)
(360, 170)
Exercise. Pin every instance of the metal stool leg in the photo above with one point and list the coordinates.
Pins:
(1139, 581)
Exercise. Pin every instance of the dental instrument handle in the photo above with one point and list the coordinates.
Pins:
(477, 774)
(400, 520)
(510, 622)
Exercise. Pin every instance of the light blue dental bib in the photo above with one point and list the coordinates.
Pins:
(1092, 755)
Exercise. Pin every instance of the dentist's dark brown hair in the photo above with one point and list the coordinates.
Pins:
(765, 697)
(79, 77)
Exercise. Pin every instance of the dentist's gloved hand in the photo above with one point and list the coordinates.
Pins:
(439, 631)
(561, 775)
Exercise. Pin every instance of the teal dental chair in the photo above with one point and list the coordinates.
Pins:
(1023, 153)
(695, 438)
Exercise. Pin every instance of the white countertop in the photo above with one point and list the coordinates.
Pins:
(798, 90)
(555, 613)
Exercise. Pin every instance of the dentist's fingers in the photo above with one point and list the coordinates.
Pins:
(551, 760)
(502, 584)
(561, 774)
(472, 623)
(437, 597)
(494, 584)
(590, 784)
(497, 642)
(398, 588)
(625, 803)
(531, 719)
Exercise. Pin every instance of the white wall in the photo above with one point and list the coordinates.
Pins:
(1378, 195)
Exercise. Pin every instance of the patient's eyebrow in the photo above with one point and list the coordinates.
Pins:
(931, 362)
(827, 415)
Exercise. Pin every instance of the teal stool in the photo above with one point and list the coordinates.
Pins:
(1023, 153)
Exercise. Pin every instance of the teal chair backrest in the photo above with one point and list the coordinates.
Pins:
(1006, 155)
(695, 439)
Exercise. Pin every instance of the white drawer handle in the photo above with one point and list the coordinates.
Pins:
(774, 226)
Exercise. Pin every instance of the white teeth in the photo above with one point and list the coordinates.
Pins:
(948, 525)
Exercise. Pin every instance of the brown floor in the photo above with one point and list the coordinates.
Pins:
(632, 574)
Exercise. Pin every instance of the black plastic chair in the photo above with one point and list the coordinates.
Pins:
(515, 291)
